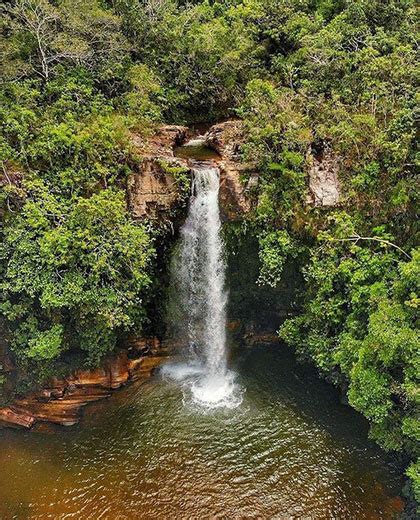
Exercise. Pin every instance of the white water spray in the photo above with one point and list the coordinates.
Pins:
(200, 273)
(203, 270)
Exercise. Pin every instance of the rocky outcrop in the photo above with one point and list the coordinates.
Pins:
(61, 400)
(162, 142)
(324, 188)
(226, 139)
(153, 190)
(234, 202)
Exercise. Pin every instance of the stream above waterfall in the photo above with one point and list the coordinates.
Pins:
(289, 451)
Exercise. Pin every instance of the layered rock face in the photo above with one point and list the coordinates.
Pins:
(162, 142)
(324, 188)
(152, 190)
(226, 139)
(61, 400)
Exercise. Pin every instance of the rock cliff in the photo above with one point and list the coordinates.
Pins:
(226, 139)
(238, 178)
(153, 189)
(324, 188)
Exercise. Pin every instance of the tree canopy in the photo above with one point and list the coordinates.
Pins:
(305, 77)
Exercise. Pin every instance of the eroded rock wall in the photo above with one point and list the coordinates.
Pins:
(323, 183)
(60, 401)
(226, 139)
(153, 190)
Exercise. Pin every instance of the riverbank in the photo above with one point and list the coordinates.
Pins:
(60, 400)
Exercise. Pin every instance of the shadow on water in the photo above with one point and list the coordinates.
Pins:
(298, 386)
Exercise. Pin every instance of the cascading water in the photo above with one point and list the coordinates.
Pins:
(199, 277)
(202, 270)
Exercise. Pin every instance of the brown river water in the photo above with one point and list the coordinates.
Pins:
(289, 451)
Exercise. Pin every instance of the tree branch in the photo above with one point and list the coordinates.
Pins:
(356, 237)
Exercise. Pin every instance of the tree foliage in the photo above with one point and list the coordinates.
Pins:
(304, 77)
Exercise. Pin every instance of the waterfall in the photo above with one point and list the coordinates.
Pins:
(198, 274)
(202, 271)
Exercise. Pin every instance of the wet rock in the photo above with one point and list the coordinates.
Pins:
(146, 368)
(254, 338)
(396, 504)
(56, 393)
(233, 325)
(12, 418)
(144, 346)
(171, 345)
(153, 191)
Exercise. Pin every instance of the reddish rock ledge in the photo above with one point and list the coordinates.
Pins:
(61, 400)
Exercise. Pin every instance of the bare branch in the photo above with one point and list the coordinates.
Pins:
(355, 238)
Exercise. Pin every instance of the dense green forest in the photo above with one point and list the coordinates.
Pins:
(77, 271)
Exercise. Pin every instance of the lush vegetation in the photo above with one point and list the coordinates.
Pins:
(331, 77)
(342, 83)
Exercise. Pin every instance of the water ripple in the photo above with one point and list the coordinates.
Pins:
(289, 451)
